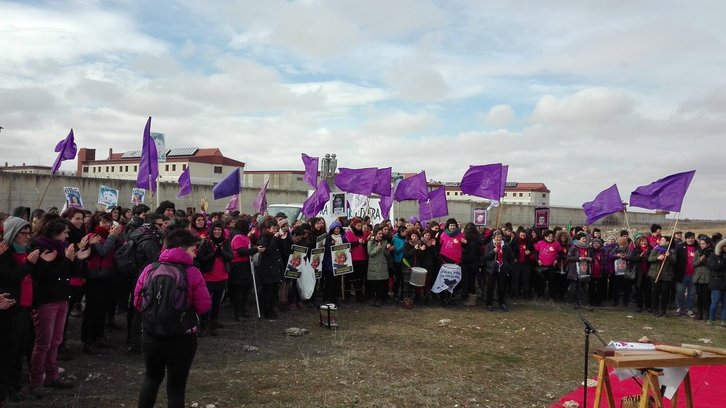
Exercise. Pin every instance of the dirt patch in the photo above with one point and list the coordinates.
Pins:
(381, 357)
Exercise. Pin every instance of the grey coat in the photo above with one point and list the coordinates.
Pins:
(377, 264)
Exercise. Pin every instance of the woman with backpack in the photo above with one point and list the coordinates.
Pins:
(169, 321)
(215, 254)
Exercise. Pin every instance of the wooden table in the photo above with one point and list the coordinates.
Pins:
(650, 362)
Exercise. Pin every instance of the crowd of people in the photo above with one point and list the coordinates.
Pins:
(97, 265)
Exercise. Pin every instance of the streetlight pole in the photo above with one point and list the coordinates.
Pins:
(328, 167)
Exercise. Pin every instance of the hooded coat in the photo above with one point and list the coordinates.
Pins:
(717, 264)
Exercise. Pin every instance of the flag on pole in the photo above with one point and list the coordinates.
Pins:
(260, 203)
(149, 164)
(605, 203)
(358, 181)
(486, 181)
(185, 183)
(505, 173)
(66, 150)
(664, 194)
(229, 186)
(232, 204)
(316, 202)
(311, 169)
(412, 188)
(434, 206)
(382, 183)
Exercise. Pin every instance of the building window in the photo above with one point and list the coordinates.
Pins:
(85, 169)
(166, 167)
(106, 169)
(544, 195)
(184, 166)
(529, 194)
(217, 169)
(126, 169)
(173, 167)
(521, 194)
(113, 169)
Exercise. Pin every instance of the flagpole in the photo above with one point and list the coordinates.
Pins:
(158, 191)
(500, 207)
(675, 224)
(625, 214)
(42, 196)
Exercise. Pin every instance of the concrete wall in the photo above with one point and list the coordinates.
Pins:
(25, 189)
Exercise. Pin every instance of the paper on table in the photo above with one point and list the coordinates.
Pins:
(623, 345)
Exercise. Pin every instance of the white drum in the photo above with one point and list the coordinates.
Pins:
(418, 276)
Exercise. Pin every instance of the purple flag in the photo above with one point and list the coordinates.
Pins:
(382, 183)
(664, 194)
(232, 204)
(260, 203)
(434, 206)
(505, 173)
(311, 169)
(185, 183)
(605, 203)
(484, 181)
(149, 164)
(316, 202)
(228, 186)
(412, 188)
(66, 149)
(358, 181)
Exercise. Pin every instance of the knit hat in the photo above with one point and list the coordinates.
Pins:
(334, 225)
(598, 240)
(638, 236)
(12, 227)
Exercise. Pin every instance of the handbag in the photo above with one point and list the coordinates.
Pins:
(632, 273)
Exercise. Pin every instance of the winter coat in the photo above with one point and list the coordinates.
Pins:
(717, 265)
(240, 270)
(12, 274)
(148, 244)
(358, 251)
(471, 256)
(197, 292)
(214, 260)
(100, 263)
(666, 274)
(573, 260)
(490, 258)
(377, 264)
(682, 261)
(271, 266)
(701, 271)
(51, 280)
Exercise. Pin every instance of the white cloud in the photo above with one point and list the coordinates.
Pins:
(500, 115)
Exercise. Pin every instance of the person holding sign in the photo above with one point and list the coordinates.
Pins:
(331, 282)
(377, 249)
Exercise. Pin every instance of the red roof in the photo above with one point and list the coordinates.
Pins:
(538, 187)
(207, 156)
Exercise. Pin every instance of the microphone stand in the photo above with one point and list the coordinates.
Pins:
(589, 329)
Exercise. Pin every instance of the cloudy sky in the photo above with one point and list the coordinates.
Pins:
(577, 95)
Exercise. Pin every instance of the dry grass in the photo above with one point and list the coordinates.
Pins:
(384, 357)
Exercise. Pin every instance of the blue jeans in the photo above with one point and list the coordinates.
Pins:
(685, 293)
(718, 296)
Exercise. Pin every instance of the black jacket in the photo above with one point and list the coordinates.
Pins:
(12, 273)
(209, 251)
(490, 258)
(51, 280)
(271, 264)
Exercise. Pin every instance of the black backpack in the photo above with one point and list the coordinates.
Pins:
(125, 259)
(165, 308)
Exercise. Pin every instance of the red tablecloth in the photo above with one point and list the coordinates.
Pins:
(708, 385)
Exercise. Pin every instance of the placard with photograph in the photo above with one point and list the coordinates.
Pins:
(342, 262)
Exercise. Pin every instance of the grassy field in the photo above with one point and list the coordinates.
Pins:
(384, 357)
